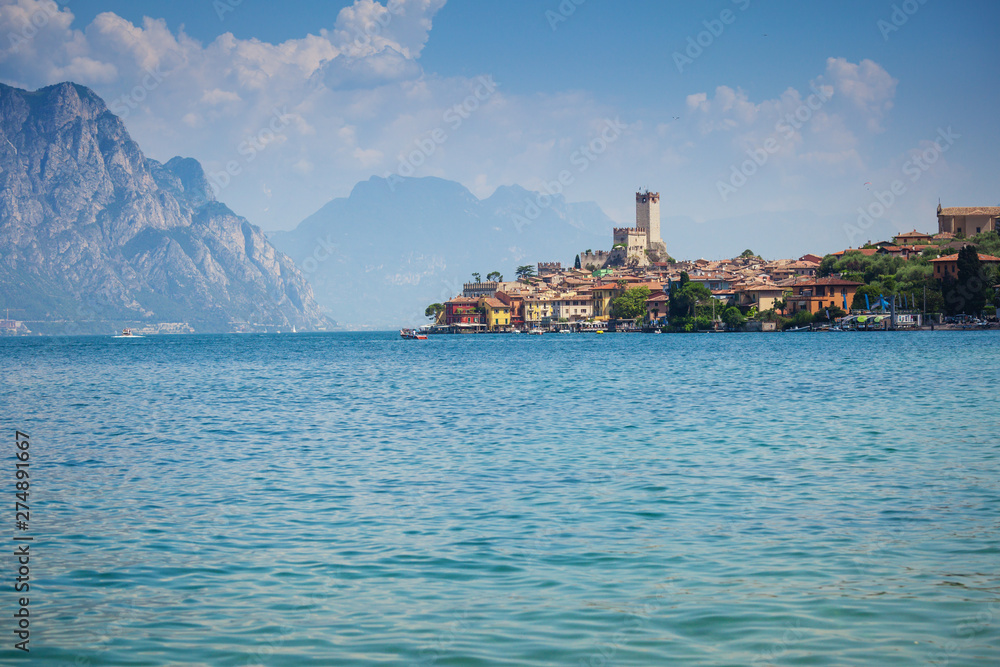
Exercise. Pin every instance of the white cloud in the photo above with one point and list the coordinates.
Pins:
(353, 100)
(217, 96)
(865, 84)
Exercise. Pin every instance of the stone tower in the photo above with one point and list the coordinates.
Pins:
(647, 216)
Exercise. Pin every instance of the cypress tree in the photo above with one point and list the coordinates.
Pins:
(971, 283)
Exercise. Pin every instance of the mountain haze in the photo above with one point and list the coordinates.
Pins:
(93, 234)
(380, 256)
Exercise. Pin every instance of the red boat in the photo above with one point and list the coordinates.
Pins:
(412, 334)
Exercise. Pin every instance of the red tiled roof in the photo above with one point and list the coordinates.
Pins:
(495, 303)
(954, 258)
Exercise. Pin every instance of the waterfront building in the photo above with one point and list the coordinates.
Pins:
(537, 310)
(761, 295)
(462, 312)
(496, 314)
(815, 294)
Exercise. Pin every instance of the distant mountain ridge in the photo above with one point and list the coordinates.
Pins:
(381, 255)
(92, 232)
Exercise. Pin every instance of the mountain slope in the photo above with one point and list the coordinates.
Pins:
(380, 256)
(93, 233)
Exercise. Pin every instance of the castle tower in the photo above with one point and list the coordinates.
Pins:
(647, 216)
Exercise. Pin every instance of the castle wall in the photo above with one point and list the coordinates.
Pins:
(632, 238)
(595, 259)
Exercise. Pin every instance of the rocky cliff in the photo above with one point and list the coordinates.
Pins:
(93, 234)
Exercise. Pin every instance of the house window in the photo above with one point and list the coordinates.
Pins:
(977, 230)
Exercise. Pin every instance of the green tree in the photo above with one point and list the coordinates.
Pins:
(782, 303)
(434, 310)
(748, 253)
(477, 278)
(967, 293)
(799, 319)
(576, 264)
(631, 304)
(685, 296)
(525, 271)
(859, 296)
(733, 318)
(827, 266)
(494, 276)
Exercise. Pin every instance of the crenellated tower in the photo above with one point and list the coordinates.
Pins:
(647, 216)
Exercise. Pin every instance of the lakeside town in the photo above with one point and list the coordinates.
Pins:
(916, 280)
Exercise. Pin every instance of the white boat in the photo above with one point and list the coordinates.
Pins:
(128, 333)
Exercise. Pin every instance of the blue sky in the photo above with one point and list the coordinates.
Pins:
(347, 108)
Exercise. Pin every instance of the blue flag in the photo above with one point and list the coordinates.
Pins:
(868, 305)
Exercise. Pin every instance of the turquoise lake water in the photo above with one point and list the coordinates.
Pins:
(626, 499)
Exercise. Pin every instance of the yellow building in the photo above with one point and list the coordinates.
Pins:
(762, 296)
(497, 313)
(536, 309)
(603, 295)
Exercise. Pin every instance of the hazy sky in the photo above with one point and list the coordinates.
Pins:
(737, 111)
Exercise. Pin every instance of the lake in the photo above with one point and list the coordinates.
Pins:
(625, 499)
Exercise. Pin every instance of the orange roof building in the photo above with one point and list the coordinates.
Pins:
(945, 267)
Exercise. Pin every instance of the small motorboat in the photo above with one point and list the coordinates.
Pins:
(536, 332)
(129, 333)
(412, 334)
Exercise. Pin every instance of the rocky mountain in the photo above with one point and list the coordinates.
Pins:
(380, 256)
(95, 235)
